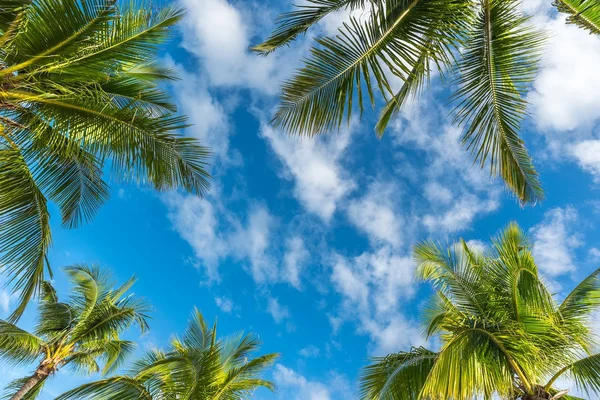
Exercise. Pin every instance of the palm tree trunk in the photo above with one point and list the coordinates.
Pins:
(40, 374)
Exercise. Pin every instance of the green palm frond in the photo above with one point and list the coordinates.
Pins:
(197, 366)
(321, 95)
(474, 363)
(120, 387)
(16, 384)
(583, 13)
(501, 331)
(24, 226)
(294, 23)
(82, 334)
(81, 94)
(583, 300)
(19, 346)
(398, 376)
(498, 64)
(584, 372)
(73, 181)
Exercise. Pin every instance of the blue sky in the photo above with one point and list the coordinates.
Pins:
(307, 242)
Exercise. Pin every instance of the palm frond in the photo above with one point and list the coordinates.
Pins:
(119, 387)
(54, 28)
(584, 372)
(320, 96)
(73, 180)
(18, 346)
(294, 23)
(584, 299)
(583, 13)
(16, 384)
(24, 226)
(498, 64)
(398, 376)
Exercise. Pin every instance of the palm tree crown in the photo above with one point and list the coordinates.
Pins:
(77, 334)
(78, 93)
(502, 332)
(199, 366)
(487, 46)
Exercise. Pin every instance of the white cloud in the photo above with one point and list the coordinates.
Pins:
(587, 154)
(224, 303)
(372, 286)
(195, 221)
(314, 164)
(567, 89)
(218, 33)
(310, 351)
(554, 240)
(395, 335)
(214, 234)
(594, 254)
(278, 312)
(253, 242)
(208, 118)
(461, 214)
(294, 386)
(5, 300)
(456, 192)
(375, 213)
(293, 261)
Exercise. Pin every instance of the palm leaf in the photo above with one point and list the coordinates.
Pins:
(583, 13)
(584, 299)
(398, 376)
(584, 372)
(19, 346)
(498, 64)
(294, 23)
(320, 96)
(24, 226)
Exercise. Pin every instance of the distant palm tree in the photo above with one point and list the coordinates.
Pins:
(502, 332)
(487, 45)
(79, 91)
(199, 366)
(78, 333)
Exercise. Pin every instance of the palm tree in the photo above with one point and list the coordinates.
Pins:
(78, 333)
(79, 92)
(196, 367)
(487, 46)
(502, 332)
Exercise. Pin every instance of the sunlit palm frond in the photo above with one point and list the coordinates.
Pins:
(82, 334)
(398, 376)
(18, 346)
(583, 300)
(498, 64)
(16, 384)
(321, 95)
(297, 22)
(24, 226)
(82, 93)
(584, 372)
(583, 13)
(119, 387)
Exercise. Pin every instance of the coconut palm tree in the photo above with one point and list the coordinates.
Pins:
(486, 46)
(199, 366)
(502, 332)
(79, 94)
(78, 333)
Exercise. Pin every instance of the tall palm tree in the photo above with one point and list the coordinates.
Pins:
(78, 333)
(199, 366)
(487, 46)
(79, 92)
(502, 332)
